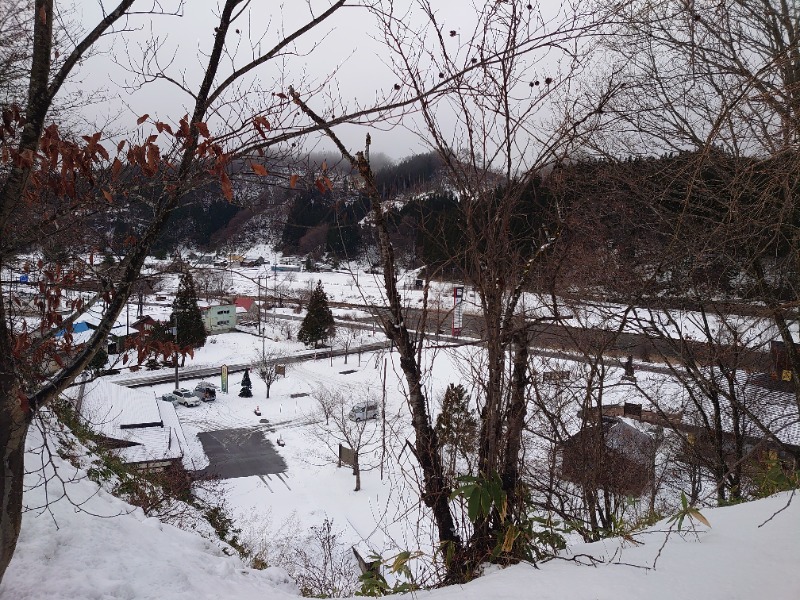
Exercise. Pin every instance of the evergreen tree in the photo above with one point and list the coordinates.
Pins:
(318, 325)
(246, 391)
(191, 331)
(456, 425)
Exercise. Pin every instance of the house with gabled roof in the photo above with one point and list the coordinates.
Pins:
(246, 308)
(610, 454)
(138, 428)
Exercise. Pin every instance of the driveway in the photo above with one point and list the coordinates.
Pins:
(240, 453)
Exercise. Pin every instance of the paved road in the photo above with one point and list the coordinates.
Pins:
(240, 453)
(167, 375)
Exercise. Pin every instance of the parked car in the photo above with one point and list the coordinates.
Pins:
(363, 411)
(205, 385)
(182, 396)
(206, 391)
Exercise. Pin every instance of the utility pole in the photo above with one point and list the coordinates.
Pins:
(258, 305)
(383, 419)
(177, 382)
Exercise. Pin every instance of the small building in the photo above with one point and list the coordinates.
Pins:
(610, 455)
(118, 339)
(246, 308)
(762, 401)
(252, 262)
(220, 319)
(139, 429)
(143, 324)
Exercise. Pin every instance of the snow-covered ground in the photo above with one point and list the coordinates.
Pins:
(131, 556)
(107, 549)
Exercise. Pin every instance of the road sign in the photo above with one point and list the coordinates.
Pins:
(23, 279)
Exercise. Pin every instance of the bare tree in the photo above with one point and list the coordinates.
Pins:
(16, 36)
(717, 82)
(270, 366)
(345, 337)
(487, 79)
(341, 428)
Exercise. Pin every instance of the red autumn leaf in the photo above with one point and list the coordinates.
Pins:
(108, 196)
(116, 167)
(184, 126)
(120, 146)
(282, 96)
(329, 183)
(259, 169)
(160, 126)
(293, 180)
(227, 189)
(203, 129)
(142, 119)
(320, 186)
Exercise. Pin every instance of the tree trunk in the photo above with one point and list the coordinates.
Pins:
(435, 491)
(516, 419)
(14, 422)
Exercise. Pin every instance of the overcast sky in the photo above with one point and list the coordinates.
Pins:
(350, 44)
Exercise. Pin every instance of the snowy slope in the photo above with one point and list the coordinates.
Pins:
(109, 550)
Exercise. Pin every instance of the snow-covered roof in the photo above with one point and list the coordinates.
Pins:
(120, 330)
(766, 400)
(131, 416)
(775, 407)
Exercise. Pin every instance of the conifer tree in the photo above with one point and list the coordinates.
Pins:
(191, 330)
(456, 425)
(246, 391)
(318, 324)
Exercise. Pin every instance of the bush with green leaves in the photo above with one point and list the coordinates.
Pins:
(373, 583)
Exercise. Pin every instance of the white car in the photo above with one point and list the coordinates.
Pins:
(182, 396)
(364, 411)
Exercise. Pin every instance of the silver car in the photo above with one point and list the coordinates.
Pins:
(182, 396)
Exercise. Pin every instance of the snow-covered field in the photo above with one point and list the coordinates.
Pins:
(110, 550)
